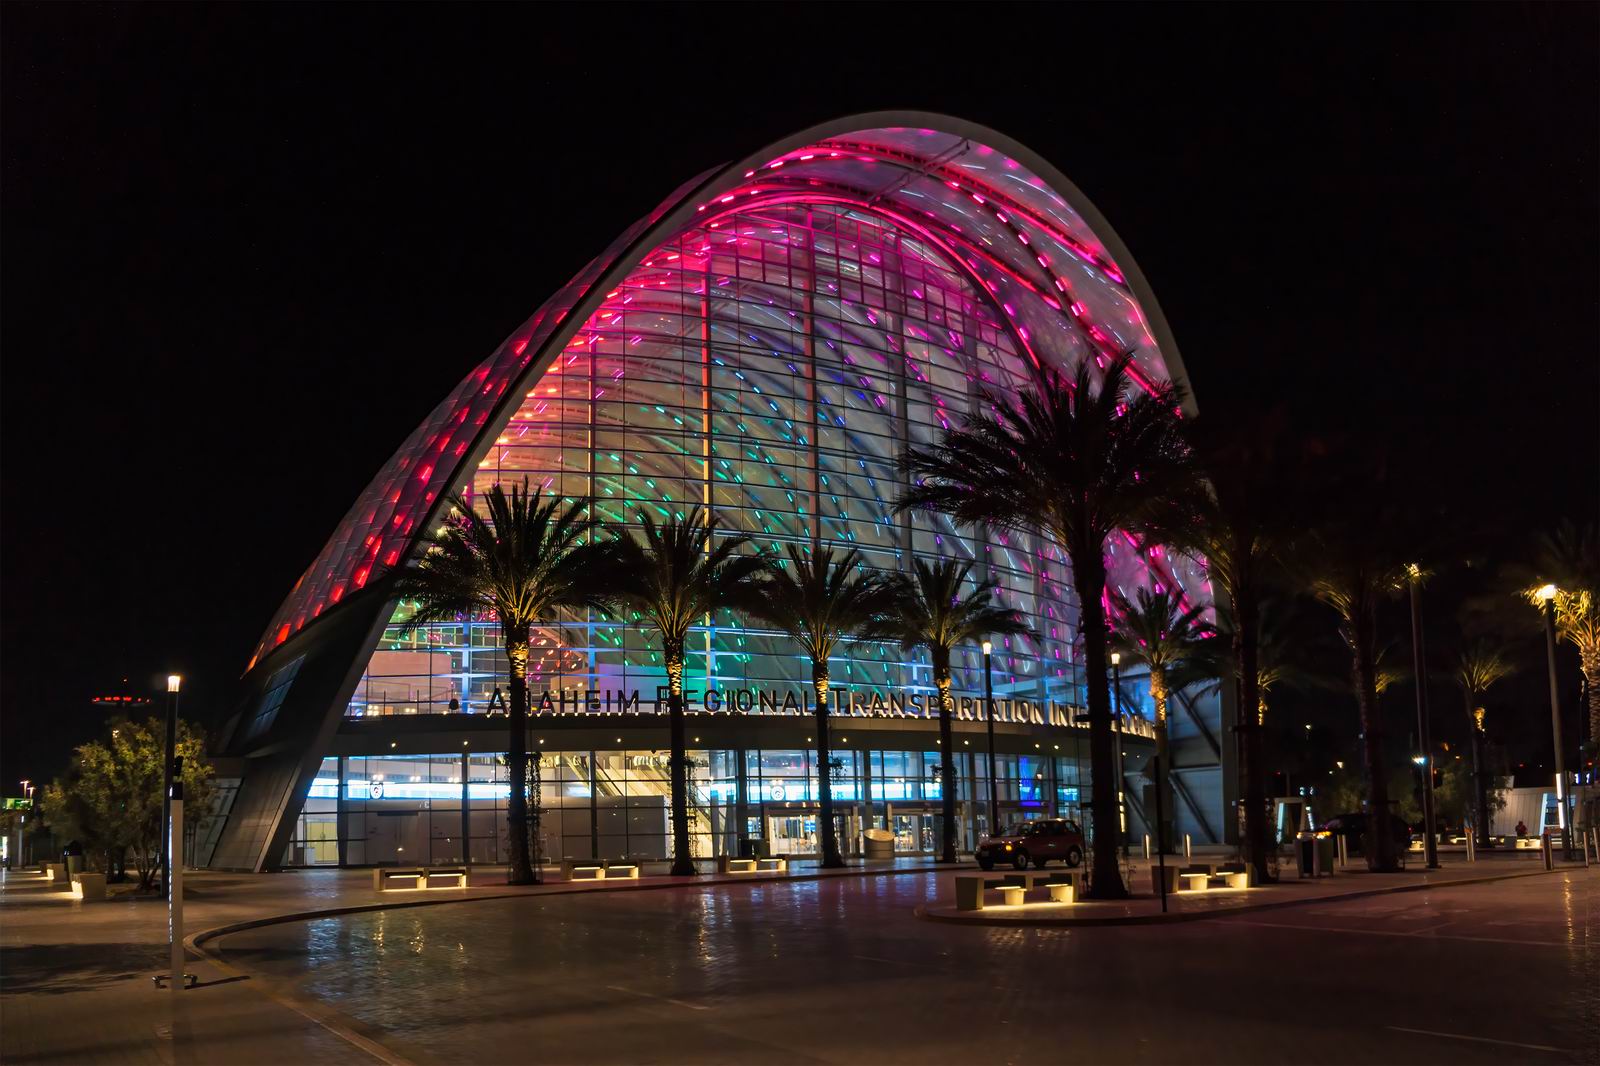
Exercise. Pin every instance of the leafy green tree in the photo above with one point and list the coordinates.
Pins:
(932, 612)
(818, 599)
(1082, 456)
(1176, 645)
(110, 799)
(672, 579)
(521, 561)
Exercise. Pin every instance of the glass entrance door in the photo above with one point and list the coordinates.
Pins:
(913, 832)
(792, 833)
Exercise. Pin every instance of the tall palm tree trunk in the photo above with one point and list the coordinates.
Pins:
(947, 758)
(1163, 780)
(830, 841)
(1247, 656)
(1089, 578)
(1380, 841)
(682, 860)
(1589, 667)
(1480, 786)
(521, 862)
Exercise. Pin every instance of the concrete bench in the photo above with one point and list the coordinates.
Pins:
(1527, 844)
(1011, 895)
(739, 866)
(1195, 878)
(89, 886)
(588, 872)
(970, 889)
(458, 876)
(1062, 892)
(56, 874)
(773, 865)
(621, 871)
(387, 878)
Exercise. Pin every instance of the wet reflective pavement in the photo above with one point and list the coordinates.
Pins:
(840, 971)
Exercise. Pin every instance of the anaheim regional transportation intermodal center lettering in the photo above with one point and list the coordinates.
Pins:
(846, 702)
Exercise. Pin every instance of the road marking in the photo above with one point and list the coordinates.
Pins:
(663, 999)
(1480, 1039)
(1410, 934)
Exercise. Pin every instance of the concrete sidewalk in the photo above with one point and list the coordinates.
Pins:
(75, 977)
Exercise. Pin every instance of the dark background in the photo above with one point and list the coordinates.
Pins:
(247, 248)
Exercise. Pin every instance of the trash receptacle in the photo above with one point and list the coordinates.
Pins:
(1305, 854)
(880, 844)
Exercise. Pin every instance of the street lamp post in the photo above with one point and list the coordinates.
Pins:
(1430, 845)
(988, 714)
(1546, 596)
(171, 750)
(1116, 696)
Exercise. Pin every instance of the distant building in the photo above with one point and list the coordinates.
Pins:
(766, 342)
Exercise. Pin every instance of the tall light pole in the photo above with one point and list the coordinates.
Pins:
(1546, 596)
(988, 714)
(173, 683)
(1430, 845)
(1116, 696)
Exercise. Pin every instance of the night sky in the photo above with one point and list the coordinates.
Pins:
(247, 248)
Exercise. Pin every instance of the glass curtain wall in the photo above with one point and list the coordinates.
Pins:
(449, 808)
(772, 366)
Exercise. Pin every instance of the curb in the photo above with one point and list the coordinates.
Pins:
(356, 1034)
(194, 940)
(1171, 918)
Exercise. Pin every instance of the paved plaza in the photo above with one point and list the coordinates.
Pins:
(837, 969)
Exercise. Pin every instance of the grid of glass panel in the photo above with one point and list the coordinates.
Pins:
(451, 807)
(773, 365)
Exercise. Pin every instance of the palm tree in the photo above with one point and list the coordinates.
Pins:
(1077, 459)
(673, 579)
(1569, 558)
(522, 560)
(1174, 643)
(932, 613)
(817, 601)
(1235, 523)
(1477, 668)
(1352, 578)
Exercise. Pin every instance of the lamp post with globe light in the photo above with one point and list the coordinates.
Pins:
(988, 714)
(1116, 698)
(1545, 597)
(173, 683)
(1430, 848)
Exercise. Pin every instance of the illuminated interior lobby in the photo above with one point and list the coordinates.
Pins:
(766, 343)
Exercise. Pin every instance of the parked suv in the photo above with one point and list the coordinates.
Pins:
(1037, 842)
(1354, 825)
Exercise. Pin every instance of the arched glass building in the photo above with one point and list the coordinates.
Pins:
(765, 343)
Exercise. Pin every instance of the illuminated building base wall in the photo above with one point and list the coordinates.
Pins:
(419, 791)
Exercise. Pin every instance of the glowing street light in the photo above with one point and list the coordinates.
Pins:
(1116, 695)
(988, 714)
(1545, 596)
(174, 682)
(1430, 842)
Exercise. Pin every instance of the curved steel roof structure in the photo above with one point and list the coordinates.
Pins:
(1063, 284)
(765, 343)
